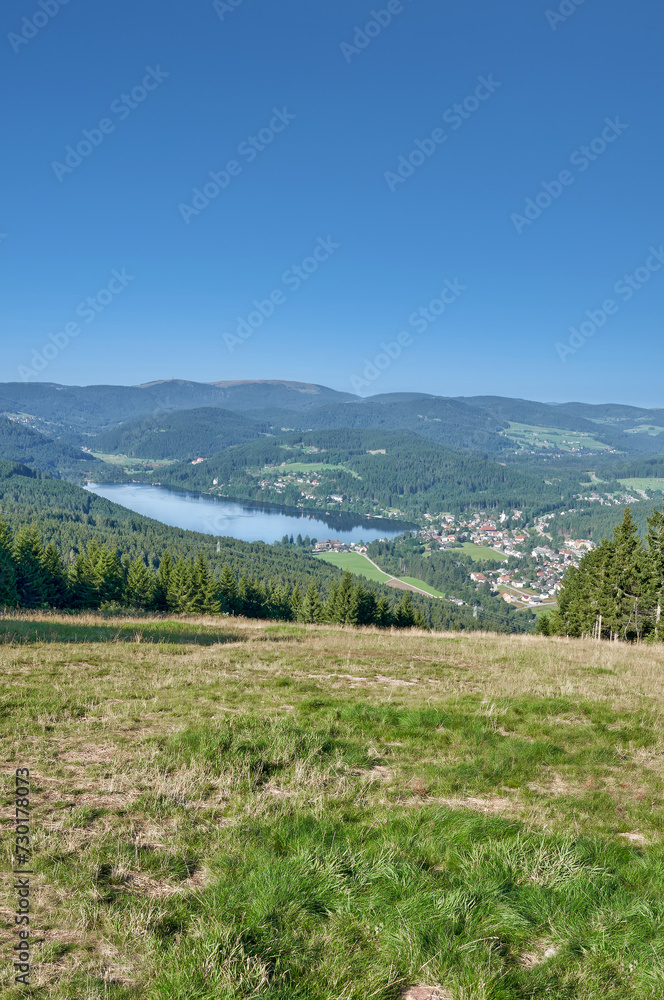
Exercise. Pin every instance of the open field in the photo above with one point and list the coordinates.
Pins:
(133, 463)
(644, 484)
(480, 553)
(421, 585)
(332, 814)
(354, 562)
(532, 436)
(306, 467)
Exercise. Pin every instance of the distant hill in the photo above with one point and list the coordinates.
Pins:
(67, 412)
(19, 443)
(184, 435)
(74, 414)
(446, 421)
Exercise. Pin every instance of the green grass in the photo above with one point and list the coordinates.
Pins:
(354, 563)
(531, 436)
(421, 585)
(133, 463)
(357, 564)
(307, 467)
(653, 484)
(301, 813)
(480, 553)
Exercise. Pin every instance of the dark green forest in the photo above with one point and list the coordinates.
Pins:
(617, 591)
(181, 435)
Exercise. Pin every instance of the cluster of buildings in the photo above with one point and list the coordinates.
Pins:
(335, 545)
(530, 586)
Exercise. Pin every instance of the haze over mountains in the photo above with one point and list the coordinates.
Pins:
(490, 424)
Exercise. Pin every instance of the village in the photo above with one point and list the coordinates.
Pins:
(536, 583)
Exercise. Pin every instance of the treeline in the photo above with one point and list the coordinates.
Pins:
(617, 592)
(34, 575)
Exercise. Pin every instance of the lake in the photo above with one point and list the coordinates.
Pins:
(243, 519)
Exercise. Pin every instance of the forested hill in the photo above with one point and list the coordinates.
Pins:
(19, 443)
(372, 470)
(183, 435)
(445, 421)
(67, 412)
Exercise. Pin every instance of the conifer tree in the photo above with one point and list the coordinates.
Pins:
(627, 577)
(311, 610)
(8, 592)
(56, 578)
(347, 601)
(655, 571)
(228, 592)
(163, 581)
(367, 606)
(180, 587)
(384, 617)
(404, 616)
(295, 602)
(140, 585)
(31, 582)
(79, 584)
(204, 598)
(107, 575)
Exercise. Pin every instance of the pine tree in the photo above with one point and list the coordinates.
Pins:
(205, 598)
(56, 578)
(8, 591)
(655, 571)
(295, 602)
(627, 577)
(228, 592)
(404, 616)
(347, 601)
(140, 586)
(163, 581)
(330, 608)
(312, 608)
(384, 617)
(180, 589)
(31, 581)
(107, 575)
(367, 606)
(79, 584)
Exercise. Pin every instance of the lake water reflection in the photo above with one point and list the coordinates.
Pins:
(248, 521)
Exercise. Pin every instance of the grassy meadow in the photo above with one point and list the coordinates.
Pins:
(234, 809)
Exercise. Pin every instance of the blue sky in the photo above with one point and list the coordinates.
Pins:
(180, 92)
